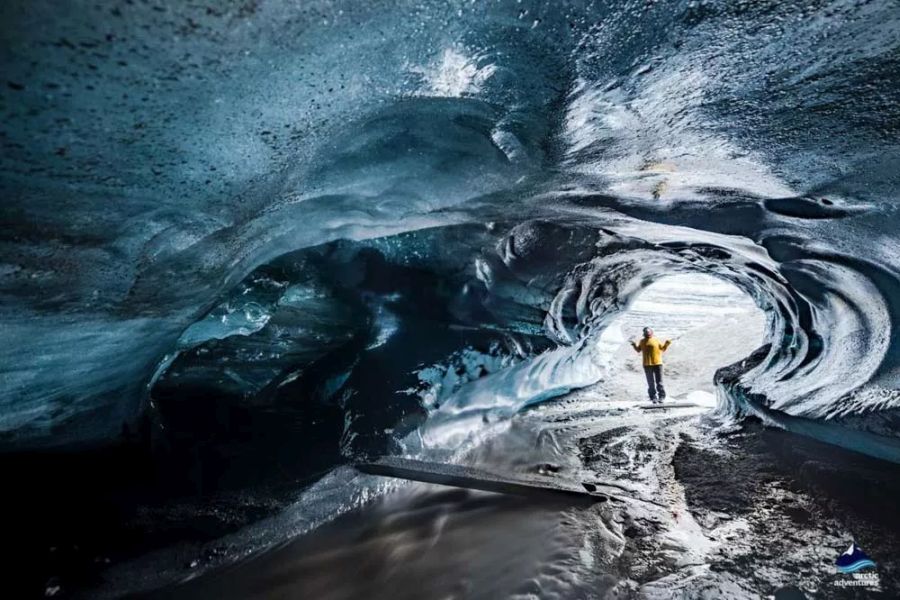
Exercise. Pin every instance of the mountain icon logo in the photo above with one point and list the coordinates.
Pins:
(853, 559)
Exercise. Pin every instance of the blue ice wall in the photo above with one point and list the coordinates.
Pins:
(156, 154)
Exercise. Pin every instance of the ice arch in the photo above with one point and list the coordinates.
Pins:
(712, 324)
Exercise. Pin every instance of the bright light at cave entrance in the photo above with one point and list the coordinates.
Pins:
(712, 324)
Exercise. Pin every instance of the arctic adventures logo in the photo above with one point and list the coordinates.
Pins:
(851, 562)
(854, 559)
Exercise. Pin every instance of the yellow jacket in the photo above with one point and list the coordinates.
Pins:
(652, 349)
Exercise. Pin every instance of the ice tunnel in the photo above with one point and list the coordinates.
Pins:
(250, 241)
(712, 323)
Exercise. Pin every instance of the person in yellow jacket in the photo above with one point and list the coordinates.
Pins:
(653, 349)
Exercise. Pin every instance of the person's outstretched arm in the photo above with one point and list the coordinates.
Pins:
(665, 345)
(636, 346)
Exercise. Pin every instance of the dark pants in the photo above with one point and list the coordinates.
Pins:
(655, 382)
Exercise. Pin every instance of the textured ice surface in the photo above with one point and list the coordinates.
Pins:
(157, 155)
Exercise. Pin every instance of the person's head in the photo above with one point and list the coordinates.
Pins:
(648, 333)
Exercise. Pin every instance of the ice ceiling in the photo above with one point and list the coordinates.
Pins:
(284, 202)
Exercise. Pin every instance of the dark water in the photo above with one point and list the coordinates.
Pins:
(425, 544)
(758, 514)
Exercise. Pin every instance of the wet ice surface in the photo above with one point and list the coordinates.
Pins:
(692, 515)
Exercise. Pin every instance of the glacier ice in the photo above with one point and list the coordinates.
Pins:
(281, 203)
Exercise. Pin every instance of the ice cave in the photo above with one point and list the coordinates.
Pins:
(344, 299)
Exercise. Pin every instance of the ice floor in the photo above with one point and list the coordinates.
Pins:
(693, 515)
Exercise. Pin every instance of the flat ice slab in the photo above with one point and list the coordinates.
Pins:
(663, 405)
(472, 478)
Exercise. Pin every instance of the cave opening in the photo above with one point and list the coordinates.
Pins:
(710, 321)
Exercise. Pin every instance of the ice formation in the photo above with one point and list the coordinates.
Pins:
(277, 204)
